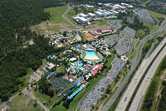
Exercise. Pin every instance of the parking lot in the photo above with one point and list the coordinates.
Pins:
(124, 46)
(100, 88)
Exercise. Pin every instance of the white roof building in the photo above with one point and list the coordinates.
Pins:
(89, 6)
(91, 15)
(99, 14)
(76, 18)
(50, 65)
(82, 15)
(73, 59)
(83, 21)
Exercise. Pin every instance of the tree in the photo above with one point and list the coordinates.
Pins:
(5, 97)
(65, 33)
(35, 103)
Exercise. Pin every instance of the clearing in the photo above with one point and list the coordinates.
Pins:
(55, 23)
(20, 104)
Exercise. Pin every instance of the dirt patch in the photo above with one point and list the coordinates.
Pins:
(47, 27)
(88, 36)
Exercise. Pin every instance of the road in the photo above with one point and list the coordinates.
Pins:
(137, 77)
(134, 64)
(63, 16)
(135, 106)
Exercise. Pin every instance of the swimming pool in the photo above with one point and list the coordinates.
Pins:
(91, 55)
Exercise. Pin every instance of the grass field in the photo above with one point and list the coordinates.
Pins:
(144, 4)
(44, 98)
(19, 104)
(133, 53)
(61, 69)
(152, 28)
(108, 62)
(140, 33)
(156, 15)
(55, 23)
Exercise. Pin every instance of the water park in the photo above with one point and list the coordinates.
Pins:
(91, 55)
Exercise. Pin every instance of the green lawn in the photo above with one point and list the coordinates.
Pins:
(108, 62)
(152, 28)
(56, 14)
(101, 21)
(156, 15)
(45, 98)
(144, 4)
(83, 54)
(19, 104)
(140, 33)
(61, 69)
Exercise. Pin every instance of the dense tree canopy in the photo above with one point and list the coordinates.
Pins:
(16, 16)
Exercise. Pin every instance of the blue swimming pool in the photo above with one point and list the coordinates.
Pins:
(90, 54)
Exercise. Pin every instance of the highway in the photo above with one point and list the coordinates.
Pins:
(135, 106)
(134, 64)
(138, 75)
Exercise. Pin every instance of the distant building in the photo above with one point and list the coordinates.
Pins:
(82, 15)
(99, 14)
(50, 65)
(91, 15)
(89, 6)
(83, 21)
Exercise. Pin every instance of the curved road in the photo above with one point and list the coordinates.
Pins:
(63, 16)
(134, 64)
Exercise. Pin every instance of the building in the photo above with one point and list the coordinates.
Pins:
(50, 65)
(89, 6)
(100, 66)
(83, 21)
(99, 14)
(82, 15)
(91, 15)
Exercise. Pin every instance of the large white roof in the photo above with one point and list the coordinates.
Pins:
(83, 19)
(82, 15)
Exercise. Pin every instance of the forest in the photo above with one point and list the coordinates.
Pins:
(16, 16)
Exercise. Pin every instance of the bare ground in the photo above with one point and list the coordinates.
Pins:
(47, 27)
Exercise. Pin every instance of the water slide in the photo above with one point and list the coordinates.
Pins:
(71, 87)
(76, 92)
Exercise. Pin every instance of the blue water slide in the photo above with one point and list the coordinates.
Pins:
(76, 92)
(71, 87)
